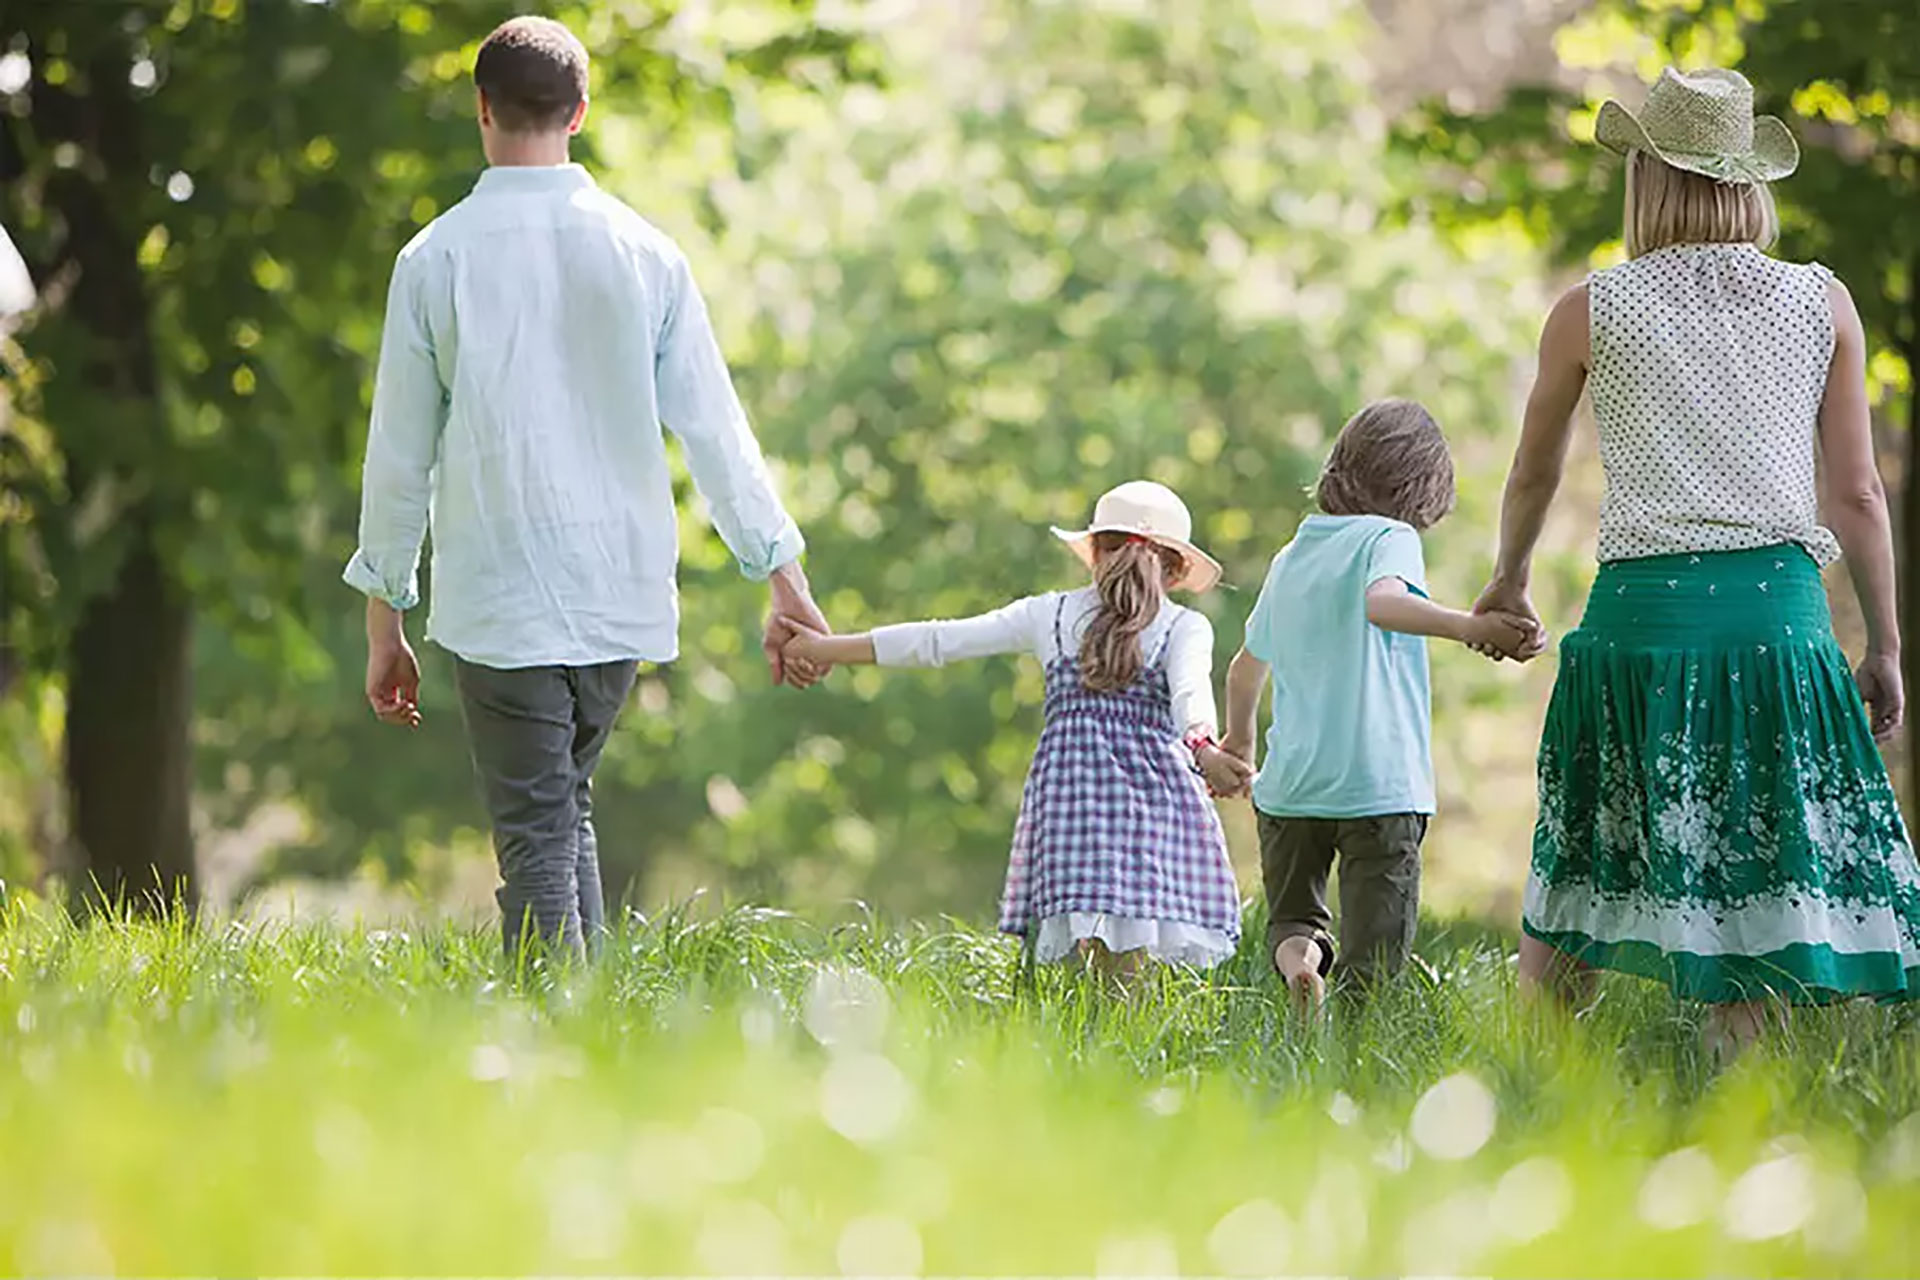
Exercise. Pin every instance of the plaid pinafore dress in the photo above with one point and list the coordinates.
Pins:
(1114, 820)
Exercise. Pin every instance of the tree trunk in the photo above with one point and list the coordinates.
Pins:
(129, 679)
(129, 755)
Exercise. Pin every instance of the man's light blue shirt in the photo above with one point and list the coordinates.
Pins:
(538, 334)
(1351, 733)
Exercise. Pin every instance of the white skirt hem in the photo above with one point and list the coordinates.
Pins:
(1164, 940)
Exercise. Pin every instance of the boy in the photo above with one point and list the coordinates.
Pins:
(1341, 625)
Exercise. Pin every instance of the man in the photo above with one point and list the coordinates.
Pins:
(537, 335)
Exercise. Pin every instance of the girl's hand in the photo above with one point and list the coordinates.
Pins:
(1228, 776)
(803, 647)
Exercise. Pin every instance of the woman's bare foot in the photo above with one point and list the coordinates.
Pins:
(1548, 971)
(1731, 1029)
(1298, 960)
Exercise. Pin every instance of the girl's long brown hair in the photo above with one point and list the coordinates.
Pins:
(1131, 574)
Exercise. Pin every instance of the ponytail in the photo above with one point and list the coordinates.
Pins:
(1130, 575)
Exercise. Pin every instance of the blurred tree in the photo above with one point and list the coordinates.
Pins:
(1846, 73)
(210, 194)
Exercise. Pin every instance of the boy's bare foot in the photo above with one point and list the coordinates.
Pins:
(1298, 960)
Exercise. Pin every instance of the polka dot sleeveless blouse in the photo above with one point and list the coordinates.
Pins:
(1709, 363)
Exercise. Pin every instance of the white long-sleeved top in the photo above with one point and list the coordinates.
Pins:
(538, 334)
(1028, 626)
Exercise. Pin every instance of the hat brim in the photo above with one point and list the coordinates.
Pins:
(1202, 572)
(1775, 154)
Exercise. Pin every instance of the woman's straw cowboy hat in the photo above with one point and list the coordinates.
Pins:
(1702, 122)
(1154, 512)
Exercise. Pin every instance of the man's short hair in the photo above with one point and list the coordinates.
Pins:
(533, 72)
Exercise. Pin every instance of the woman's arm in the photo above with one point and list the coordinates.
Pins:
(1541, 458)
(1857, 507)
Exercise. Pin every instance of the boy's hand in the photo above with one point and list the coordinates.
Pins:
(1513, 600)
(1227, 775)
(1500, 635)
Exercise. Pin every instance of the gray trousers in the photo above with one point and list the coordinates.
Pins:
(536, 735)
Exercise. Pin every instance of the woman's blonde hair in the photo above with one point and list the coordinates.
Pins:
(1668, 206)
(1131, 575)
(1389, 460)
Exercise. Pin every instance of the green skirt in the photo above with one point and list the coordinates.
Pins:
(1713, 810)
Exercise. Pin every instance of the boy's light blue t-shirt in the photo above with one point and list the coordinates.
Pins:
(1351, 703)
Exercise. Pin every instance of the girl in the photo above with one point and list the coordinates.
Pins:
(1117, 852)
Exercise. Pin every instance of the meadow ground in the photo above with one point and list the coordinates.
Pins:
(751, 1093)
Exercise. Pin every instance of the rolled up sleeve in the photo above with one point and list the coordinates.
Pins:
(700, 407)
(403, 441)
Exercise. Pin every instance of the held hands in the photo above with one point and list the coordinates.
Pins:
(806, 647)
(1505, 626)
(1228, 774)
(791, 609)
(1502, 636)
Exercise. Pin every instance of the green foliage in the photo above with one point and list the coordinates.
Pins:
(1844, 73)
(211, 193)
(960, 304)
(1069, 247)
(754, 1095)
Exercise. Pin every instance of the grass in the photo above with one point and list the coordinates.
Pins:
(754, 1094)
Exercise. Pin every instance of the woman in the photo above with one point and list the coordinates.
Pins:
(1713, 811)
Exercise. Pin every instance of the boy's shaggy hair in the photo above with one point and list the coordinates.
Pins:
(1390, 460)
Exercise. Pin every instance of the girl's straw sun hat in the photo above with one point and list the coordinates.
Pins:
(1154, 512)
(1702, 122)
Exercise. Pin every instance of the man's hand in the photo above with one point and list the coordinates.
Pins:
(1511, 599)
(791, 598)
(393, 676)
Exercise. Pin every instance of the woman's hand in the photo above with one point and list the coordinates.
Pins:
(1885, 692)
(1510, 599)
(1501, 635)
